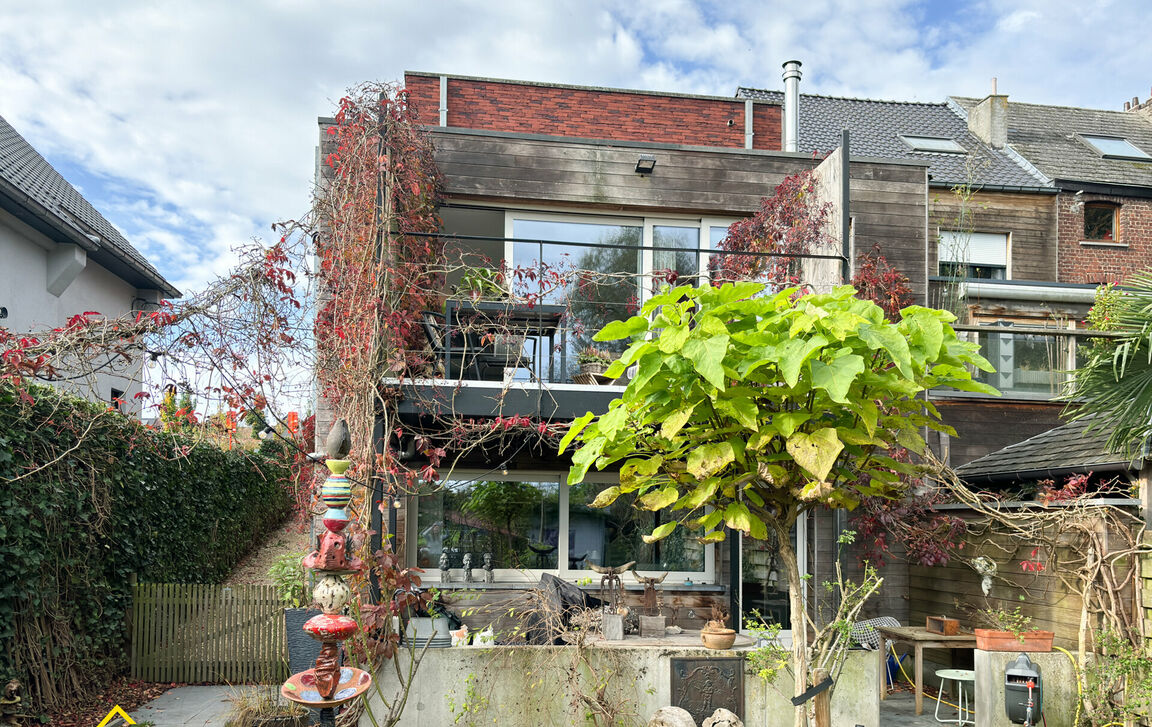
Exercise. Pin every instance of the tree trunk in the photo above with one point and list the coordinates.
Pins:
(822, 702)
(796, 602)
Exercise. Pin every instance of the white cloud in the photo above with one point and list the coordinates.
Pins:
(201, 116)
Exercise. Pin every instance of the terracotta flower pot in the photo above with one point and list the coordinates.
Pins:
(719, 638)
(993, 640)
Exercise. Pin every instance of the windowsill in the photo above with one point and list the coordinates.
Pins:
(1103, 243)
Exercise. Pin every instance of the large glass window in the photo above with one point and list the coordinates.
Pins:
(676, 266)
(518, 522)
(596, 284)
(612, 535)
(532, 523)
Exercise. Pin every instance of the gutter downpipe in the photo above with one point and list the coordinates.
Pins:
(791, 78)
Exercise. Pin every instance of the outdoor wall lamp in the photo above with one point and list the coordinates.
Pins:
(645, 164)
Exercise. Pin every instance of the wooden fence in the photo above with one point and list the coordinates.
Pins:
(207, 633)
(1146, 594)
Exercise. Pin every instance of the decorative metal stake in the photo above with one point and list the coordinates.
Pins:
(328, 684)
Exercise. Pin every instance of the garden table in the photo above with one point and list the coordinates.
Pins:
(920, 639)
(539, 320)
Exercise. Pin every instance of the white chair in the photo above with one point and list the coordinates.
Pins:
(959, 676)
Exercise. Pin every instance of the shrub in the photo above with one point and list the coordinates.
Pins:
(92, 497)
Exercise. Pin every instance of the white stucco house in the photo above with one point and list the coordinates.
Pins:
(59, 256)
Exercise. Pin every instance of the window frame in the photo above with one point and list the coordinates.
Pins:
(940, 149)
(1089, 140)
(511, 576)
(1101, 205)
(969, 264)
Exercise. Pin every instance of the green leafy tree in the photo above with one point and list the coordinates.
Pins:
(746, 411)
(1114, 386)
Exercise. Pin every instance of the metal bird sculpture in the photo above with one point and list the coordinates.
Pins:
(339, 442)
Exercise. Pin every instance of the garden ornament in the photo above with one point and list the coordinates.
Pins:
(339, 442)
(10, 703)
(986, 568)
(328, 684)
(488, 568)
(672, 717)
(723, 718)
(445, 571)
(653, 598)
(467, 567)
(611, 587)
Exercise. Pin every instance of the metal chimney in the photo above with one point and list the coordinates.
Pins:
(791, 78)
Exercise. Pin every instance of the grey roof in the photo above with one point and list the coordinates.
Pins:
(876, 127)
(1069, 448)
(1047, 136)
(37, 193)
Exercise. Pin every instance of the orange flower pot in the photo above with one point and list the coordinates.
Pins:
(718, 639)
(1033, 641)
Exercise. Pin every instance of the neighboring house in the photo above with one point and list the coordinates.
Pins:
(992, 252)
(616, 183)
(1100, 164)
(62, 258)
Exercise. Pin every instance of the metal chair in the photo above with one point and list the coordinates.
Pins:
(467, 351)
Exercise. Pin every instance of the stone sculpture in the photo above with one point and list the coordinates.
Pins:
(445, 571)
(671, 717)
(723, 718)
(467, 567)
(488, 575)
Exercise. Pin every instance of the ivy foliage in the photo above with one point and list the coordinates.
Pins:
(92, 497)
(747, 408)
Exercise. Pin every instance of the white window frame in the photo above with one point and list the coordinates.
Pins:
(703, 224)
(940, 245)
(532, 575)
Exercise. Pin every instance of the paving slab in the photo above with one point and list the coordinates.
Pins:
(188, 706)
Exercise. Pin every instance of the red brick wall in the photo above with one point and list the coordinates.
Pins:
(1100, 262)
(593, 114)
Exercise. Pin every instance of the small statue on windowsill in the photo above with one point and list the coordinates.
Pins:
(467, 567)
(488, 576)
(445, 571)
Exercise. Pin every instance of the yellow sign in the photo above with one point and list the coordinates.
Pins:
(116, 712)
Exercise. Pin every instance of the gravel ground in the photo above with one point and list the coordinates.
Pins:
(289, 537)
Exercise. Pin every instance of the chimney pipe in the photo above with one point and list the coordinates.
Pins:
(791, 78)
(1127, 105)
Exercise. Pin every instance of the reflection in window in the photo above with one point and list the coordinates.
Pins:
(612, 535)
(517, 522)
(1100, 222)
(675, 267)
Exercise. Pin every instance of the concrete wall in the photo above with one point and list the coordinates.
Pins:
(526, 685)
(24, 278)
(1056, 673)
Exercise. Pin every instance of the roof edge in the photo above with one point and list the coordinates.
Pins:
(577, 87)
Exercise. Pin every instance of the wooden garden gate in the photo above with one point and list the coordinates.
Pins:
(207, 633)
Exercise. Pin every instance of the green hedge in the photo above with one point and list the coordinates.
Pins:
(91, 497)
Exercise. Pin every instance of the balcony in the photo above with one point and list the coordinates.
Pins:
(517, 314)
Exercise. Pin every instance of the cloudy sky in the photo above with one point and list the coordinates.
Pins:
(192, 125)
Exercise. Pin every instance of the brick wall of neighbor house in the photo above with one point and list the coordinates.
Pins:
(530, 108)
(1102, 262)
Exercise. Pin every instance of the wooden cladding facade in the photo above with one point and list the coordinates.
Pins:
(1029, 220)
(888, 200)
(986, 425)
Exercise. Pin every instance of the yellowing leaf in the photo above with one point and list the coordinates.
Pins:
(606, 497)
(676, 421)
(661, 532)
(660, 499)
(815, 452)
(710, 458)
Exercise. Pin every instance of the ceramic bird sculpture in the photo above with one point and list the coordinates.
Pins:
(608, 571)
(339, 442)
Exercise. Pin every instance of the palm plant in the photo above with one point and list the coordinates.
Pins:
(1114, 387)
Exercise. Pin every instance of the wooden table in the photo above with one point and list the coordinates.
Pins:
(920, 638)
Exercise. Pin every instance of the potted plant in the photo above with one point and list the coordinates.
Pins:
(1009, 632)
(291, 583)
(430, 623)
(262, 707)
(593, 360)
(716, 634)
(482, 284)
